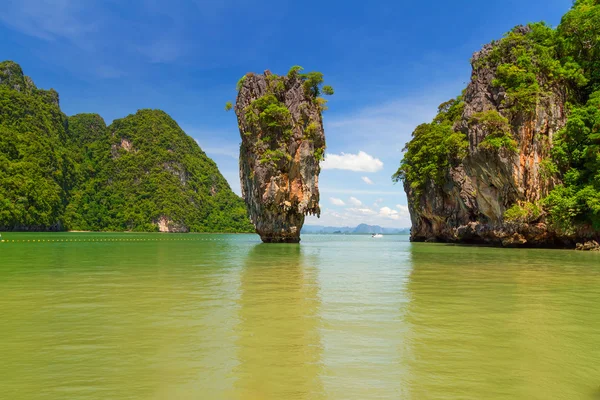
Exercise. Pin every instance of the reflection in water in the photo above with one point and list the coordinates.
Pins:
(142, 321)
(338, 317)
(279, 350)
(363, 291)
(497, 323)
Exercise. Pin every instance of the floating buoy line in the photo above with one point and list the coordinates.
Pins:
(97, 240)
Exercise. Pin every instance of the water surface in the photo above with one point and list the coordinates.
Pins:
(151, 316)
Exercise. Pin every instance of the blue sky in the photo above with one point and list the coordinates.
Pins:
(391, 63)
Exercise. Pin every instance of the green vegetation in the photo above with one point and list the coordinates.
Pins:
(576, 153)
(433, 149)
(271, 121)
(497, 129)
(274, 156)
(35, 165)
(525, 213)
(529, 63)
(328, 90)
(75, 173)
(240, 83)
(228, 106)
(294, 71)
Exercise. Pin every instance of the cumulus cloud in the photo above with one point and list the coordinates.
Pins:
(367, 180)
(361, 211)
(355, 202)
(389, 213)
(403, 209)
(336, 201)
(361, 162)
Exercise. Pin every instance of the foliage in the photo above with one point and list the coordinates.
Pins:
(497, 130)
(579, 32)
(548, 169)
(576, 153)
(240, 83)
(35, 166)
(319, 154)
(312, 83)
(274, 156)
(149, 168)
(75, 173)
(433, 149)
(271, 121)
(228, 106)
(528, 64)
(322, 103)
(270, 115)
(525, 213)
(328, 90)
(294, 71)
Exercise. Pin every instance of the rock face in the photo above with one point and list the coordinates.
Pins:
(282, 143)
(470, 206)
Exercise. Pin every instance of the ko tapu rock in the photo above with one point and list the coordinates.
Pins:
(514, 160)
(283, 141)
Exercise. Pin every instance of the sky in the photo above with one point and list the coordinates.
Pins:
(391, 64)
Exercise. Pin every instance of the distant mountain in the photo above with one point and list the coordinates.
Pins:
(326, 229)
(364, 228)
(360, 229)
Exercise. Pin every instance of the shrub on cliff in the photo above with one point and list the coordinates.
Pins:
(576, 152)
(433, 149)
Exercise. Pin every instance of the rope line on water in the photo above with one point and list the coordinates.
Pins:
(96, 240)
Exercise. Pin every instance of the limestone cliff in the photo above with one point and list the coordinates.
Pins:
(491, 187)
(283, 140)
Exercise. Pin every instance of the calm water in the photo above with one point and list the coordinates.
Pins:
(337, 317)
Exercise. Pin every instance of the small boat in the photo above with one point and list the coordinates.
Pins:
(377, 235)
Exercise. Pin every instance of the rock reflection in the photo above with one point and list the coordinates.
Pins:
(499, 323)
(279, 345)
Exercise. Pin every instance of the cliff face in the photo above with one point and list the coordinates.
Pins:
(282, 143)
(510, 138)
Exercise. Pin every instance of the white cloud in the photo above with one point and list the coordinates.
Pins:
(353, 216)
(403, 209)
(367, 180)
(361, 211)
(355, 202)
(393, 119)
(352, 162)
(355, 191)
(336, 201)
(387, 212)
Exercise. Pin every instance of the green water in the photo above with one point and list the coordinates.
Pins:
(150, 316)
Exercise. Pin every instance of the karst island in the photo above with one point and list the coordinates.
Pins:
(281, 126)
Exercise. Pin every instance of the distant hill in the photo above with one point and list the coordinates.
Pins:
(141, 173)
(360, 229)
(364, 228)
